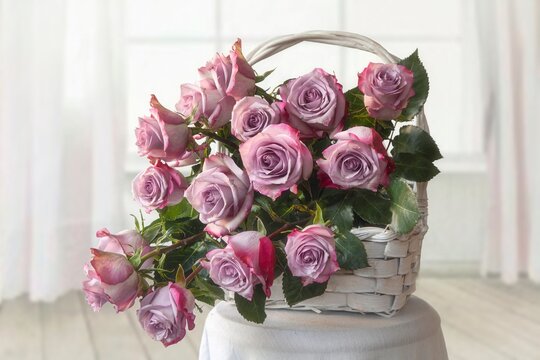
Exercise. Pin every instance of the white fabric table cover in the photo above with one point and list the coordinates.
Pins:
(414, 333)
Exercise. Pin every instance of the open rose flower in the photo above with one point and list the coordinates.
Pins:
(276, 160)
(110, 275)
(162, 135)
(158, 186)
(209, 102)
(315, 103)
(247, 260)
(222, 194)
(311, 254)
(166, 312)
(357, 160)
(387, 89)
(252, 114)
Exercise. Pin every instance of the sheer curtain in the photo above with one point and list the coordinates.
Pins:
(510, 62)
(61, 139)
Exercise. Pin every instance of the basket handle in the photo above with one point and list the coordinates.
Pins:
(350, 40)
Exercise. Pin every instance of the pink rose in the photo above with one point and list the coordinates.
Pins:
(231, 75)
(162, 135)
(315, 103)
(222, 194)
(251, 115)
(357, 160)
(311, 254)
(247, 260)
(387, 89)
(158, 186)
(117, 288)
(276, 160)
(165, 313)
(205, 102)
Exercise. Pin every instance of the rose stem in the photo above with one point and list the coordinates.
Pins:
(217, 137)
(180, 243)
(194, 273)
(287, 227)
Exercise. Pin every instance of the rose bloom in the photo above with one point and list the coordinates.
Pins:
(222, 194)
(162, 135)
(311, 254)
(357, 160)
(208, 102)
(166, 312)
(387, 89)
(276, 160)
(247, 260)
(251, 115)
(110, 275)
(158, 186)
(315, 103)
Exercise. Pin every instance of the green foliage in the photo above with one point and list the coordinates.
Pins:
(420, 86)
(350, 251)
(372, 207)
(150, 232)
(295, 292)
(358, 115)
(205, 290)
(318, 218)
(260, 78)
(182, 209)
(404, 207)
(252, 310)
(414, 168)
(340, 214)
(281, 259)
(186, 257)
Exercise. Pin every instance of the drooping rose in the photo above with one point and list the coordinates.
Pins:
(222, 194)
(166, 312)
(162, 135)
(315, 103)
(158, 186)
(276, 160)
(357, 160)
(251, 115)
(247, 260)
(125, 242)
(387, 89)
(231, 75)
(208, 102)
(311, 254)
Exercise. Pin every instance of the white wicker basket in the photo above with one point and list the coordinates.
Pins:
(394, 259)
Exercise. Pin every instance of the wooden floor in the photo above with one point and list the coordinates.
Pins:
(482, 319)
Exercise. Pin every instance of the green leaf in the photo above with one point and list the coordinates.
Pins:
(182, 209)
(260, 78)
(135, 259)
(281, 259)
(180, 277)
(414, 167)
(340, 214)
(357, 114)
(260, 227)
(206, 291)
(295, 292)
(318, 218)
(350, 251)
(420, 86)
(150, 232)
(186, 257)
(372, 207)
(252, 310)
(413, 140)
(404, 207)
(136, 221)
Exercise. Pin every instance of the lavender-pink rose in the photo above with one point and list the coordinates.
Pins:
(311, 254)
(162, 135)
(315, 103)
(252, 114)
(158, 186)
(165, 313)
(387, 89)
(357, 160)
(276, 160)
(222, 194)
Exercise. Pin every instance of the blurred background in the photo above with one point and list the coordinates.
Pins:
(75, 75)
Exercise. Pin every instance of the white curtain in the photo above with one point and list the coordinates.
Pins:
(61, 139)
(509, 34)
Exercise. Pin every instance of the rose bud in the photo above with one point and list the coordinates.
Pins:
(251, 115)
(162, 135)
(387, 89)
(276, 160)
(247, 260)
(222, 194)
(357, 160)
(158, 186)
(165, 313)
(311, 254)
(314, 103)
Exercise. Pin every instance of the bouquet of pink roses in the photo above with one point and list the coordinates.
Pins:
(272, 183)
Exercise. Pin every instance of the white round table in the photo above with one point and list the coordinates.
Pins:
(414, 333)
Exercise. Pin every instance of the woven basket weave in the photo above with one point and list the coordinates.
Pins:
(394, 259)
